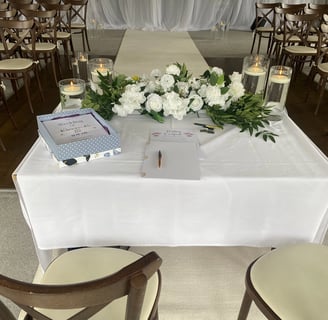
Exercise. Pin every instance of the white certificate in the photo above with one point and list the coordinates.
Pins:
(74, 128)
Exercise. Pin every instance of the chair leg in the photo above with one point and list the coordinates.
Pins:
(37, 75)
(322, 90)
(254, 38)
(86, 38)
(259, 43)
(245, 307)
(27, 90)
(310, 79)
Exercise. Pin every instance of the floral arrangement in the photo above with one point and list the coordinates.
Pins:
(176, 93)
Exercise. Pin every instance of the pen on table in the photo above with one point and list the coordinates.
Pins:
(159, 159)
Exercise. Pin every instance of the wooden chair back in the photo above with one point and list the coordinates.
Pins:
(300, 27)
(63, 12)
(79, 10)
(45, 23)
(91, 296)
(8, 14)
(18, 33)
(265, 13)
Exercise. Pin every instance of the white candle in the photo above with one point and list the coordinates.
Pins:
(83, 67)
(72, 89)
(259, 73)
(279, 78)
(102, 70)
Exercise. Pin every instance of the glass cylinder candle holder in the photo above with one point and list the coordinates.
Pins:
(103, 66)
(72, 92)
(82, 59)
(277, 88)
(255, 68)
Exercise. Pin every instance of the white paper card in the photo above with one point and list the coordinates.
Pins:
(74, 128)
(179, 156)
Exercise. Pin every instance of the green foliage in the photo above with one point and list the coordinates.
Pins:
(248, 114)
(112, 90)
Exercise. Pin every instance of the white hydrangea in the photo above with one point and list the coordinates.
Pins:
(236, 90)
(183, 88)
(235, 76)
(167, 82)
(174, 105)
(131, 100)
(152, 86)
(194, 83)
(173, 70)
(214, 97)
(154, 102)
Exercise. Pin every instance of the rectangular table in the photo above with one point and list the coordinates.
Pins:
(251, 192)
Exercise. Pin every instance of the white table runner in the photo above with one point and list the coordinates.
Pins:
(142, 51)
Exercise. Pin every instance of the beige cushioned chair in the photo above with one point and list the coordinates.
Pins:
(289, 283)
(109, 283)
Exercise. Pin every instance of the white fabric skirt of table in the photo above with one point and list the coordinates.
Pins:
(250, 192)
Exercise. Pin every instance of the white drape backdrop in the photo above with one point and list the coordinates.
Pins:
(174, 15)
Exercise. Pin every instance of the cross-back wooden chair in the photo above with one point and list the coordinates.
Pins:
(78, 18)
(63, 24)
(46, 33)
(288, 283)
(279, 30)
(14, 35)
(97, 283)
(265, 21)
(302, 27)
(321, 65)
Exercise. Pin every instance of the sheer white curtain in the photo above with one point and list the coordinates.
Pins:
(174, 15)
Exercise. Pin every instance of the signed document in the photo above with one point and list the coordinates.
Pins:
(172, 154)
(74, 128)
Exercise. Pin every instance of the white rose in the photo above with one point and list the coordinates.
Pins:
(173, 69)
(217, 70)
(202, 90)
(154, 102)
(167, 82)
(196, 102)
(156, 73)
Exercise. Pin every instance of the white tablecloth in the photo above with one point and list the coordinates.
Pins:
(251, 192)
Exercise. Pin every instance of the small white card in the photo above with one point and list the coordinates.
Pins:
(74, 128)
(172, 154)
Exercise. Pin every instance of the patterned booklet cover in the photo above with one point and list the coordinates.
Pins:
(77, 136)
